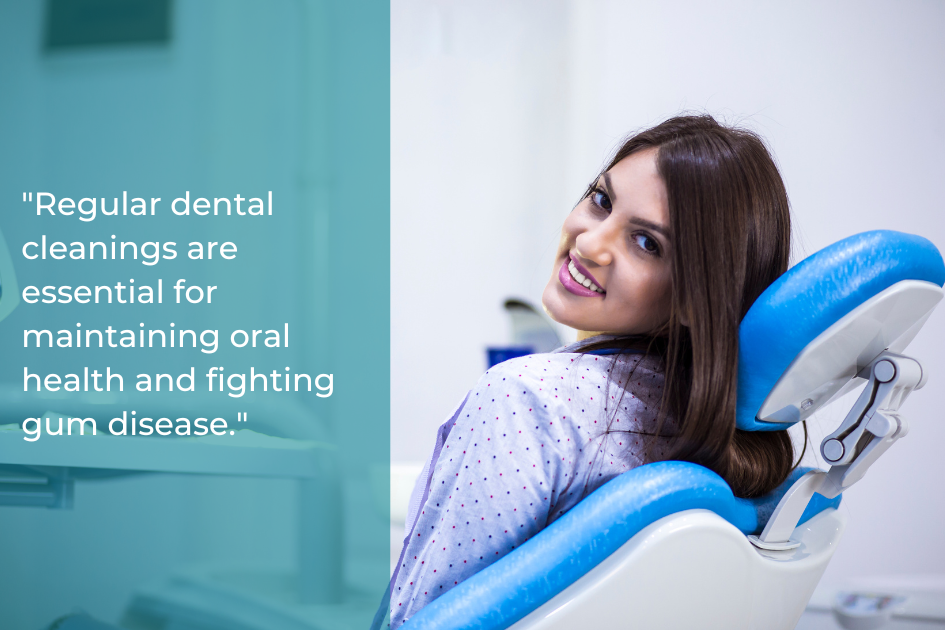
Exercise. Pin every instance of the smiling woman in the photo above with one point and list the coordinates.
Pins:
(656, 267)
(615, 248)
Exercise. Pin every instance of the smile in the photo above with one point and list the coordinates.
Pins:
(573, 278)
(581, 278)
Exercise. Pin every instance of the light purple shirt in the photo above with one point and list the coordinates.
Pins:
(535, 436)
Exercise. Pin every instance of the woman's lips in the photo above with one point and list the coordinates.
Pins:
(572, 285)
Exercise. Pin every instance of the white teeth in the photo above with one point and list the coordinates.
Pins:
(577, 274)
(582, 279)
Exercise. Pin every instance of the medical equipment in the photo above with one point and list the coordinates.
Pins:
(890, 602)
(532, 332)
(667, 545)
(531, 327)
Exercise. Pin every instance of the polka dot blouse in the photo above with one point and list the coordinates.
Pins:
(534, 437)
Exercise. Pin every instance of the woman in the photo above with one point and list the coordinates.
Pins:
(656, 267)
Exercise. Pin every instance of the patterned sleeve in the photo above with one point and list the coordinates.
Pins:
(505, 463)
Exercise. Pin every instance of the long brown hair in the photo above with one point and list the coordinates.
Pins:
(731, 231)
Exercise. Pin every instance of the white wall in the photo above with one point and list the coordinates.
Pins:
(502, 111)
(478, 93)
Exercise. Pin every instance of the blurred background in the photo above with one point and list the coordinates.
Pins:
(503, 110)
(219, 98)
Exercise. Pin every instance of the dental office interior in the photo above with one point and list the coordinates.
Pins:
(502, 112)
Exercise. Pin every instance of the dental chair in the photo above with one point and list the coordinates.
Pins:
(667, 545)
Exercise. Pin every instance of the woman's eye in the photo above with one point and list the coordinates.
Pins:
(600, 199)
(647, 243)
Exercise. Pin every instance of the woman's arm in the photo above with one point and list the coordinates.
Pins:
(534, 437)
(507, 457)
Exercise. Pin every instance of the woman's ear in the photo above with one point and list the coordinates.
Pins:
(682, 316)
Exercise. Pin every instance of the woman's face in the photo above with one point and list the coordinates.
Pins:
(612, 270)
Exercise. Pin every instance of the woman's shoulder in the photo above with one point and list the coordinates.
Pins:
(566, 378)
(531, 366)
(554, 367)
(535, 379)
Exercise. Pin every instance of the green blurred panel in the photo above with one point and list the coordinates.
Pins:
(286, 522)
(73, 23)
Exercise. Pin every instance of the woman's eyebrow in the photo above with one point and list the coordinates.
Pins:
(608, 188)
(656, 227)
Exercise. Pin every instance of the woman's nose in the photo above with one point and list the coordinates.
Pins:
(596, 244)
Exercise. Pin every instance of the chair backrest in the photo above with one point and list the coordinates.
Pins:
(815, 295)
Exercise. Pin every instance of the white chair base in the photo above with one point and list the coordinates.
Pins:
(695, 570)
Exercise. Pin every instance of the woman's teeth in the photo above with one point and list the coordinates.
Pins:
(582, 279)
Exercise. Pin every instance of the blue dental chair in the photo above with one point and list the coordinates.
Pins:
(667, 545)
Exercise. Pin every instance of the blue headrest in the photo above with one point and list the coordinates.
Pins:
(560, 554)
(812, 296)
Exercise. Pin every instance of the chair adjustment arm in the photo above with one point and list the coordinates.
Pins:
(892, 378)
(872, 425)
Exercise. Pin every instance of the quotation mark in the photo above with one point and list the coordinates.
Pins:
(240, 417)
